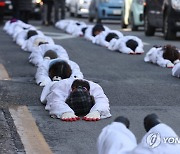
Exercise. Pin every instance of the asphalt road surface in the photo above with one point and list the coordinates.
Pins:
(134, 88)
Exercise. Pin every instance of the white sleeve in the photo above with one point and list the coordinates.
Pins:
(36, 58)
(57, 97)
(45, 92)
(116, 139)
(161, 61)
(113, 44)
(101, 100)
(76, 72)
(21, 38)
(139, 48)
(100, 39)
(61, 52)
(6, 26)
(42, 73)
(88, 34)
(149, 54)
(176, 70)
(122, 46)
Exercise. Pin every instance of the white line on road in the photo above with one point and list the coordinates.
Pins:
(31, 137)
(145, 43)
(58, 36)
(3, 73)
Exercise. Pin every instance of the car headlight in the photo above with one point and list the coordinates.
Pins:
(175, 4)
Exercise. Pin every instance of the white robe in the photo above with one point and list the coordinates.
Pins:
(155, 55)
(88, 33)
(43, 69)
(9, 27)
(36, 57)
(62, 24)
(60, 91)
(32, 43)
(6, 26)
(121, 45)
(117, 139)
(100, 39)
(19, 28)
(75, 29)
(22, 36)
(176, 70)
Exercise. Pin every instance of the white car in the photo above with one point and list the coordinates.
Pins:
(79, 8)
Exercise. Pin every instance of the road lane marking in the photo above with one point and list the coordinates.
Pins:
(31, 137)
(3, 73)
(145, 43)
(58, 36)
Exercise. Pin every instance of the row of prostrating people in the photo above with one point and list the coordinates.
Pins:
(104, 36)
(164, 56)
(66, 94)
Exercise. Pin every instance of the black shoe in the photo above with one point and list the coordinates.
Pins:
(123, 120)
(150, 121)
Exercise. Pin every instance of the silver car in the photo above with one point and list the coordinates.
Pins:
(79, 8)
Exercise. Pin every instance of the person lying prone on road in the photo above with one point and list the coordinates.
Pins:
(70, 98)
(166, 56)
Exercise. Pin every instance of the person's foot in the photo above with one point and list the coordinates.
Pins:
(150, 121)
(123, 120)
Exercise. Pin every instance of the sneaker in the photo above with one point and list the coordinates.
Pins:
(150, 121)
(123, 120)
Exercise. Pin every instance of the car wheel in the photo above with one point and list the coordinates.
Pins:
(148, 29)
(133, 26)
(169, 34)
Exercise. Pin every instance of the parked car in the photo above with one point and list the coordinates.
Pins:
(134, 14)
(105, 9)
(79, 8)
(2, 6)
(164, 14)
(8, 7)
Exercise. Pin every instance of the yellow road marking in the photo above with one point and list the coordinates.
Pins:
(3, 73)
(32, 139)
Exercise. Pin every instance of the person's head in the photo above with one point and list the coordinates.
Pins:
(171, 53)
(110, 36)
(80, 100)
(59, 69)
(98, 28)
(51, 54)
(31, 33)
(80, 83)
(132, 44)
